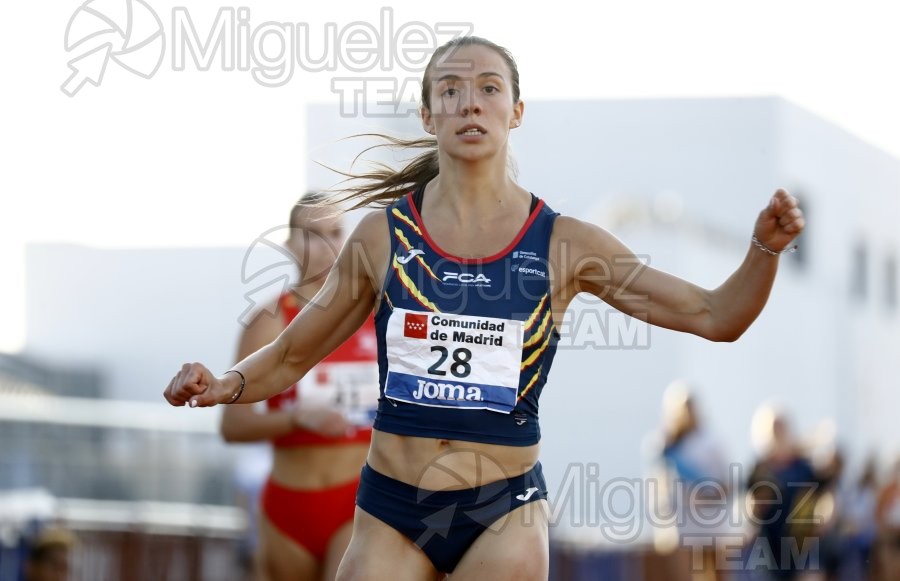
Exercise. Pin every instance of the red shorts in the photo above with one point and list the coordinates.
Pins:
(309, 517)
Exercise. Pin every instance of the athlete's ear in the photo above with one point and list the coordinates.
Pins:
(518, 113)
(427, 120)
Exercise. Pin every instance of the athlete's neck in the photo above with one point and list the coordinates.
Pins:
(477, 192)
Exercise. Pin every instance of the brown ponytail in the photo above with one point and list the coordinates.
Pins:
(384, 185)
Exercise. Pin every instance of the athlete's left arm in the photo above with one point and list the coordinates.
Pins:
(602, 265)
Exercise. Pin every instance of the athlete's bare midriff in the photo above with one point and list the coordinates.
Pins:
(435, 464)
(314, 467)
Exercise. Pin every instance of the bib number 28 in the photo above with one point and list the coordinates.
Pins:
(460, 366)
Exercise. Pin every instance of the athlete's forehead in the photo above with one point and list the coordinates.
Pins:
(468, 63)
(456, 77)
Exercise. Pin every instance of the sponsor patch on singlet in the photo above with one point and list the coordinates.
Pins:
(454, 361)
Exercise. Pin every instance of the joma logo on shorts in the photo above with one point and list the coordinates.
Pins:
(431, 390)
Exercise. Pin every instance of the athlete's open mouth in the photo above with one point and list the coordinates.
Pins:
(472, 129)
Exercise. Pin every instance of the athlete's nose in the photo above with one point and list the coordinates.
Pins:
(471, 106)
(471, 109)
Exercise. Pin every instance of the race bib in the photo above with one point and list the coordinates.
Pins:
(453, 361)
(351, 387)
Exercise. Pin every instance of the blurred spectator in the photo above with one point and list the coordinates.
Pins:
(858, 526)
(829, 508)
(49, 555)
(782, 496)
(887, 514)
(694, 486)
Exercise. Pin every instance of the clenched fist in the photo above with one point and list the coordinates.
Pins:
(780, 222)
(197, 386)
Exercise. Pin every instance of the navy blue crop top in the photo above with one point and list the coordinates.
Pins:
(464, 345)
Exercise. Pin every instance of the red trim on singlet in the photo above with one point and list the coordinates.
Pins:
(349, 351)
(493, 257)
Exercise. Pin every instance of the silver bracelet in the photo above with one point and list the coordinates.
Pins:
(237, 394)
(768, 250)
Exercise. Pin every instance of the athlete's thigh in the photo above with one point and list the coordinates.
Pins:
(378, 552)
(283, 559)
(515, 547)
(337, 546)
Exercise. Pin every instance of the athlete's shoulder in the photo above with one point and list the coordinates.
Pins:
(581, 238)
(568, 227)
(567, 221)
(372, 228)
(367, 249)
(572, 226)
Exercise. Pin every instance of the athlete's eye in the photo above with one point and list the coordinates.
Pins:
(450, 92)
(491, 89)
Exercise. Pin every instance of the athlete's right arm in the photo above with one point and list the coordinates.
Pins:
(335, 313)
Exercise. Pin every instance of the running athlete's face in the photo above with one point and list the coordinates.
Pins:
(316, 244)
(471, 103)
